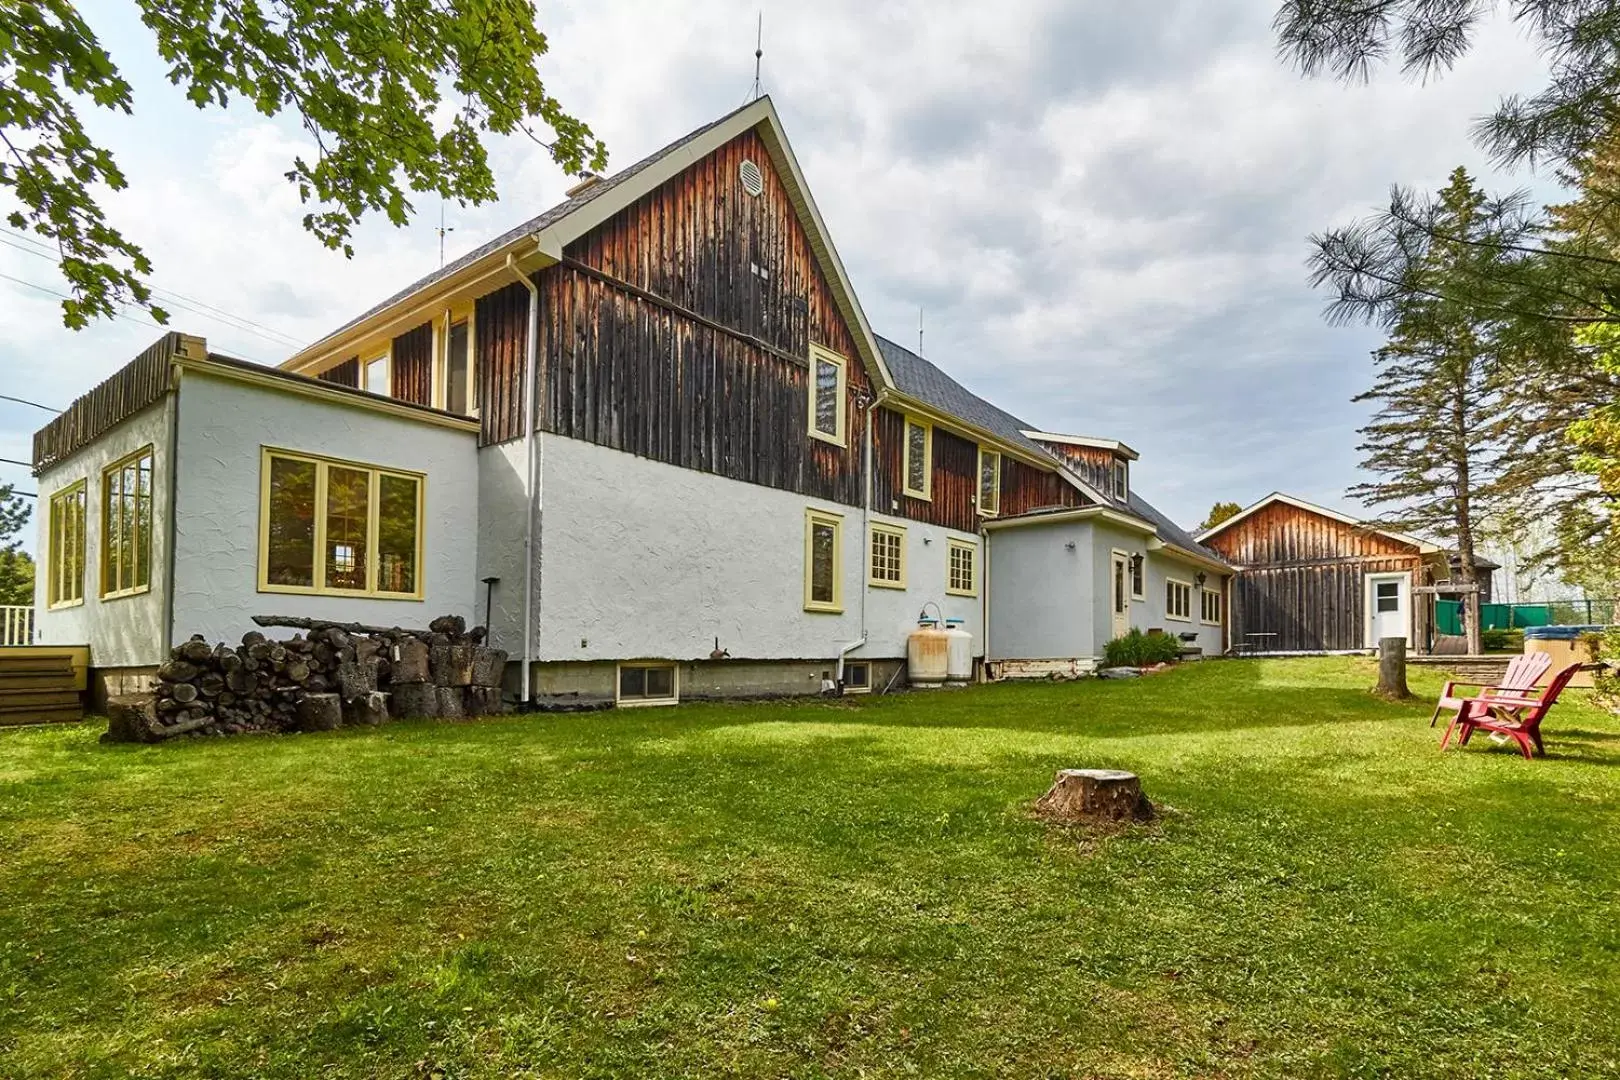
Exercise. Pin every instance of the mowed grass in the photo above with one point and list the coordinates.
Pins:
(820, 889)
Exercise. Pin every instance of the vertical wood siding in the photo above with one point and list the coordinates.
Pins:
(345, 374)
(1302, 577)
(1025, 488)
(412, 378)
(121, 395)
(1094, 464)
(499, 341)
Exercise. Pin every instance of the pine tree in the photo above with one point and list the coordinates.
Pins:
(1436, 442)
(1218, 513)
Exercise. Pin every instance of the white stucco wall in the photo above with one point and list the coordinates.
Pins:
(127, 631)
(1162, 564)
(224, 423)
(1042, 592)
(639, 559)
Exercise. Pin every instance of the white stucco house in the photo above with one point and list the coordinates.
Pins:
(647, 436)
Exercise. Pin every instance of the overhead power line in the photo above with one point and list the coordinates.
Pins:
(25, 401)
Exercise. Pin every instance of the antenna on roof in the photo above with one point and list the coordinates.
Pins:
(919, 329)
(759, 51)
(442, 230)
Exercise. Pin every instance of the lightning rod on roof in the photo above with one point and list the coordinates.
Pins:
(759, 51)
(919, 329)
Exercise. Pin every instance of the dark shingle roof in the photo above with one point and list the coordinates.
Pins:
(922, 380)
(538, 222)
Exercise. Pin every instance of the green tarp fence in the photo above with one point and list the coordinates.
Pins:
(1448, 615)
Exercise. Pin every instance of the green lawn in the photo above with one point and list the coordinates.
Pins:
(821, 889)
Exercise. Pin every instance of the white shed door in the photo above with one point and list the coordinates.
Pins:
(1389, 607)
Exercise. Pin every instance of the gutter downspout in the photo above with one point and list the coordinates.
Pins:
(866, 515)
(531, 491)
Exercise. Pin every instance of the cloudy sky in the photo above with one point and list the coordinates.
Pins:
(1101, 209)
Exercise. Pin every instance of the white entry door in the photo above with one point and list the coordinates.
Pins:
(1389, 607)
(1122, 595)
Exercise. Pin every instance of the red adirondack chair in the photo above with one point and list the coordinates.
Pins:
(1520, 679)
(1518, 717)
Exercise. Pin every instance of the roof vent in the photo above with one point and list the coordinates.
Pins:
(753, 181)
(587, 181)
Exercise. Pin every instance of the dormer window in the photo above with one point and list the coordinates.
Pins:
(1122, 480)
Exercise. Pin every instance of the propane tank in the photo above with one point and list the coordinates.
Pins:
(958, 653)
(927, 661)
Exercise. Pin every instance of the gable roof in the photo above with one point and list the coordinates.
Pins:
(918, 378)
(1423, 546)
(544, 236)
(1112, 445)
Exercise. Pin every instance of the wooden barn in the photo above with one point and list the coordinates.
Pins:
(1314, 580)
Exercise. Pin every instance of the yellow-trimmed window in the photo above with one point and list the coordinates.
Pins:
(823, 561)
(919, 459)
(375, 375)
(126, 525)
(989, 482)
(829, 375)
(1178, 600)
(961, 568)
(65, 563)
(886, 556)
(338, 527)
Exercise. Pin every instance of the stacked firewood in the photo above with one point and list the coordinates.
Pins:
(336, 674)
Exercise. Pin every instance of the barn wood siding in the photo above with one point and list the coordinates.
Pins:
(345, 374)
(412, 377)
(679, 330)
(1284, 535)
(1095, 465)
(121, 395)
(500, 338)
(1025, 488)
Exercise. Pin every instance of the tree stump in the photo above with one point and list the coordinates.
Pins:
(1095, 795)
(1392, 669)
(320, 712)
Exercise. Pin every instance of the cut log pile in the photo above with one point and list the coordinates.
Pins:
(334, 675)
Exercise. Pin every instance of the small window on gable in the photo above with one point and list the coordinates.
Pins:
(887, 567)
(1122, 480)
(962, 568)
(648, 684)
(456, 369)
(828, 378)
(919, 455)
(823, 561)
(989, 482)
(377, 380)
(1178, 600)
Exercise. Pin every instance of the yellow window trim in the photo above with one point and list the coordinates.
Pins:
(879, 528)
(645, 702)
(953, 544)
(817, 355)
(56, 555)
(1169, 581)
(373, 514)
(812, 518)
(464, 311)
(927, 491)
(106, 548)
(978, 483)
(385, 357)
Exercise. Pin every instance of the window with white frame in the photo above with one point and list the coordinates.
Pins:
(887, 556)
(1213, 604)
(1122, 480)
(829, 373)
(857, 677)
(457, 368)
(376, 378)
(648, 684)
(919, 459)
(823, 561)
(1178, 600)
(961, 568)
(989, 482)
(1138, 577)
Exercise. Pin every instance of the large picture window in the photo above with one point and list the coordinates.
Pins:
(126, 525)
(989, 482)
(919, 463)
(65, 564)
(828, 372)
(338, 527)
(823, 561)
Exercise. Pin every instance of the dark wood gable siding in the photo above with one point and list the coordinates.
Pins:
(345, 374)
(1302, 578)
(500, 336)
(679, 330)
(412, 376)
(955, 490)
(1094, 464)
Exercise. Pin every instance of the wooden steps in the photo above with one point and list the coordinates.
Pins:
(42, 684)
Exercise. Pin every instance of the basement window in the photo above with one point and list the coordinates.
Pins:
(648, 684)
(857, 678)
(828, 378)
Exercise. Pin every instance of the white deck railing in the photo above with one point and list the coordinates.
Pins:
(16, 625)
